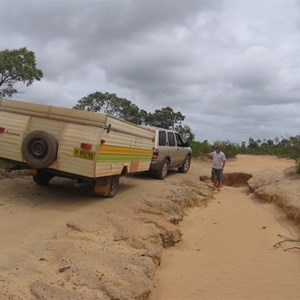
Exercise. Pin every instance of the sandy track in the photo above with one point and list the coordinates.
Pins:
(112, 247)
(227, 253)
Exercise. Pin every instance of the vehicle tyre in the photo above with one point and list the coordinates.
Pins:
(39, 149)
(163, 171)
(42, 178)
(186, 165)
(113, 187)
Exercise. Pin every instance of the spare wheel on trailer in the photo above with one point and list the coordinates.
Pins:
(39, 149)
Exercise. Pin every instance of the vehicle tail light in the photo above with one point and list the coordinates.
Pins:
(2, 130)
(86, 146)
(155, 153)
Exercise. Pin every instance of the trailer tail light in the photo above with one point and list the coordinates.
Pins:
(2, 130)
(86, 146)
(155, 153)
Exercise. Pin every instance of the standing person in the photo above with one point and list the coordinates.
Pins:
(219, 159)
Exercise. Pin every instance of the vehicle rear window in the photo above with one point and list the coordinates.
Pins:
(162, 138)
(171, 139)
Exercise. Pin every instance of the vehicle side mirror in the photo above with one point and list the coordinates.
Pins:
(186, 144)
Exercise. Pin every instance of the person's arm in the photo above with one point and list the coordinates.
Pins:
(224, 161)
(209, 155)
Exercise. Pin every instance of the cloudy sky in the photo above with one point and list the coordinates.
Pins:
(232, 68)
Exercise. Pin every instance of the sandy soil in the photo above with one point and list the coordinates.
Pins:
(227, 250)
(62, 242)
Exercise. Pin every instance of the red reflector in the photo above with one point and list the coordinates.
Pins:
(86, 146)
(155, 153)
(2, 130)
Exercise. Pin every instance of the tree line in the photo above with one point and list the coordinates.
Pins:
(123, 108)
(281, 147)
(19, 65)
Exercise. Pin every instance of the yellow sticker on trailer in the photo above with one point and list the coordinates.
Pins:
(84, 154)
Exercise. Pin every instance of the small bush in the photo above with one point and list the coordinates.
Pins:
(230, 149)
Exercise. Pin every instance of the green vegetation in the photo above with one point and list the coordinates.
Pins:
(126, 110)
(230, 149)
(17, 65)
(288, 148)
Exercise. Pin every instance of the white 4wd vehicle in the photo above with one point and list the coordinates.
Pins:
(169, 152)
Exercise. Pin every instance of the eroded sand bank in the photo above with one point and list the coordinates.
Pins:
(227, 249)
(227, 253)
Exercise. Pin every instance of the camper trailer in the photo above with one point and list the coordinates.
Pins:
(55, 141)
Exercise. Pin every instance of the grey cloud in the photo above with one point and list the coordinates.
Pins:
(232, 68)
(255, 68)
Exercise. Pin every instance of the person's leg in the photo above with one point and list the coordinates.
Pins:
(214, 177)
(216, 183)
(219, 178)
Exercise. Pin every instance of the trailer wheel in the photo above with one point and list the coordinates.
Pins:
(107, 186)
(39, 149)
(114, 186)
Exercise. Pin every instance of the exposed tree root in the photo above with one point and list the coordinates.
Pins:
(291, 248)
(286, 239)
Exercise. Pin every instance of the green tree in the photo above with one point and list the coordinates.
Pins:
(126, 110)
(252, 144)
(112, 104)
(97, 102)
(17, 65)
(185, 132)
(198, 148)
(164, 118)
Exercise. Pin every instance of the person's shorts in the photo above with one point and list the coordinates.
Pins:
(217, 174)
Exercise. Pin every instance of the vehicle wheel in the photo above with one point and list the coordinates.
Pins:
(42, 178)
(39, 149)
(107, 187)
(163, 171)
(114, 186)
(186, 165)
